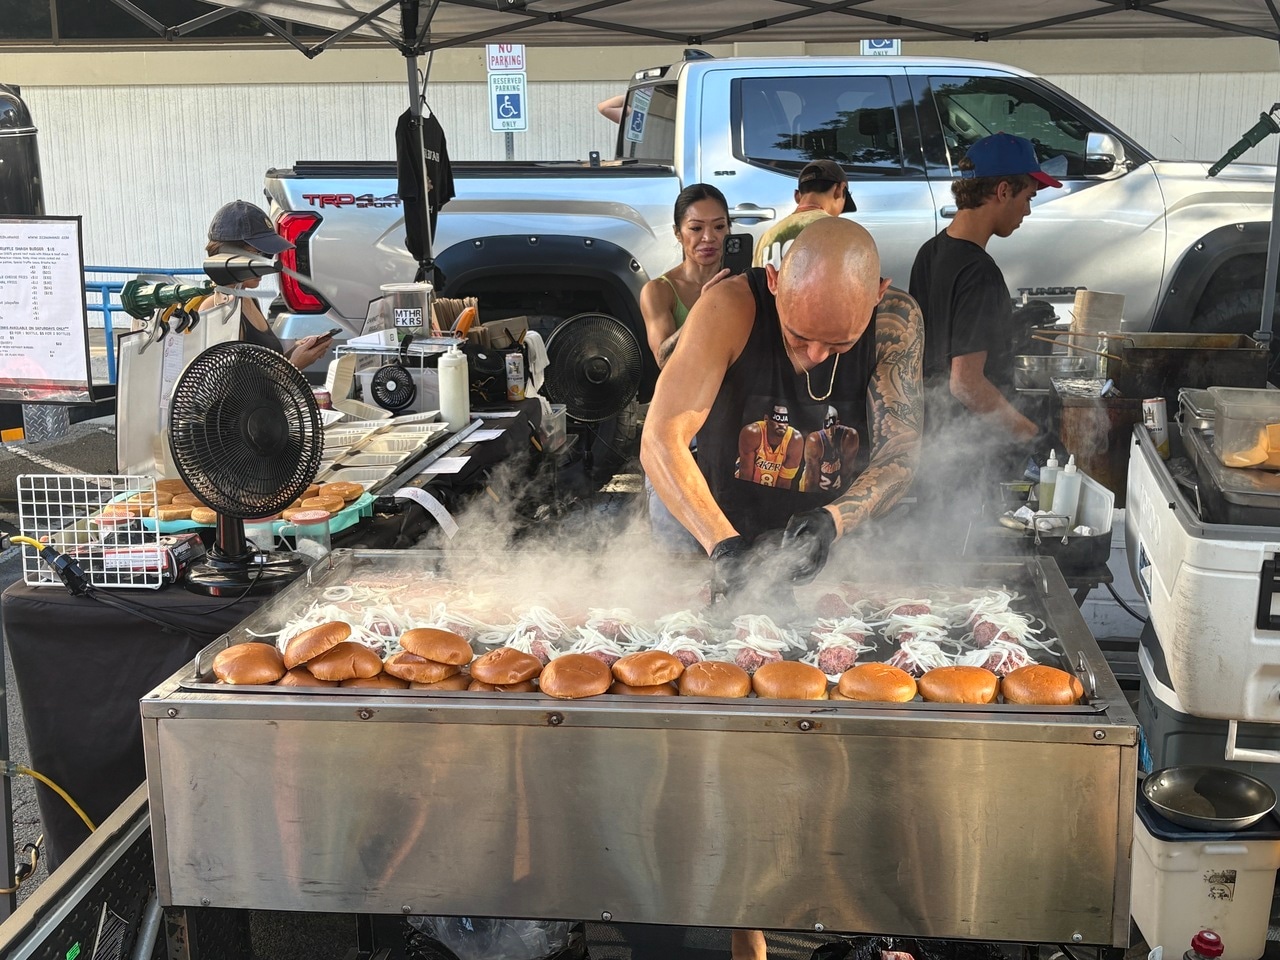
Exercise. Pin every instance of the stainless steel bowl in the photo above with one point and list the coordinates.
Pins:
(1209, 798)
(1031, 372)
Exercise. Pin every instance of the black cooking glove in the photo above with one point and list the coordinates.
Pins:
(806, 542)
(729, 568)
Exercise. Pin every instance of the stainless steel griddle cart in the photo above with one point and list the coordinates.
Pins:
(991, 822)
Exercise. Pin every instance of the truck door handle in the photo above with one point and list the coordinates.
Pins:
(948, 212)
(749, 211)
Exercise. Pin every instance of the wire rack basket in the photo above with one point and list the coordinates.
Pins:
(102, 521)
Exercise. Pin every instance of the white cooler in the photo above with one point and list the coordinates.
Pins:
(1185, 881)
(1212, 594)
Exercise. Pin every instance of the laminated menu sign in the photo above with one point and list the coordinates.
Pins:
(44, 335)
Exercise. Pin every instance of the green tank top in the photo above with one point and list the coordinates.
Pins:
(679, 311)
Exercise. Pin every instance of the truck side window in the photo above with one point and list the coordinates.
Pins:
(648, 128)
(971, 108)
(784, 122)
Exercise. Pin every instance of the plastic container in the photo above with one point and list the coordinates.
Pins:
(1048, 481)
(455, 390)
(1246, 429)
(1211, 593)
(1175, 738)
(1184, 881)
(553, 431)
(1066, 492)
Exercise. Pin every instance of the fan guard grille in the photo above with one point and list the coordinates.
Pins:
(593, 366)
(245, 430)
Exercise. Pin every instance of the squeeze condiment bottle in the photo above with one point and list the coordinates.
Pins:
(1066, 492)
(455, 389)
(1048, 480)
(1205, 945)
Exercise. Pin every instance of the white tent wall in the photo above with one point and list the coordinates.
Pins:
(146, 153)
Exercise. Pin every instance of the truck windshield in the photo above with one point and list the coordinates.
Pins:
(649, 124)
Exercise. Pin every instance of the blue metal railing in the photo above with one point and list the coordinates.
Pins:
(108, 302)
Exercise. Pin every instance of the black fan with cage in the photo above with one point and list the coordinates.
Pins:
(245, 433)
(593, 367)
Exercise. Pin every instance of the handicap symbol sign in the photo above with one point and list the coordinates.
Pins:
(508, 107)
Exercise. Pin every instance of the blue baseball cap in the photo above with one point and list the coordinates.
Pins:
(1004, 155)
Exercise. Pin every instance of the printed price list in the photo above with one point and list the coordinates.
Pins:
(43, 333)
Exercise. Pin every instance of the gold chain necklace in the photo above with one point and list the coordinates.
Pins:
(830, 387)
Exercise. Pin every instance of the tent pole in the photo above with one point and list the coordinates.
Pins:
(1273, 264)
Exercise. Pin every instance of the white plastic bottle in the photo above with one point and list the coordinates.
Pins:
(1048, 480)
(455, 389)
(1066, 494)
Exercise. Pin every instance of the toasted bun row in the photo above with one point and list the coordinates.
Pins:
(433, 659)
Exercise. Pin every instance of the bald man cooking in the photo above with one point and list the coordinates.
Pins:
(775, 349)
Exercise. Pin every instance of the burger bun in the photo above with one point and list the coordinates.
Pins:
(1040, 684)
(877, 682)
(713, 678)
(575, 676)
(959, 685)
(647, 668)
(249, 664)
(789, 680)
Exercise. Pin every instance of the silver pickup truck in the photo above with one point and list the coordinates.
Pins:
(550, 240)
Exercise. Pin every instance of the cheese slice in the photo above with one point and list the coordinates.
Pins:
(1252, 456)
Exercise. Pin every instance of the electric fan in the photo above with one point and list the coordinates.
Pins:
(593, 367)
(246, 437)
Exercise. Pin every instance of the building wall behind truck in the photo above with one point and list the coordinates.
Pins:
(146, 146)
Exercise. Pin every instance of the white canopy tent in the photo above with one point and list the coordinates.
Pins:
(450, 23)
(418, 27)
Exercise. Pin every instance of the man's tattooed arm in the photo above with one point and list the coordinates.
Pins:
(895, 401)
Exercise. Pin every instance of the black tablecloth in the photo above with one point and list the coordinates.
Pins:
(80, 668)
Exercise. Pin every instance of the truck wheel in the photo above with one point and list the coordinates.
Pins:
(1239, 311)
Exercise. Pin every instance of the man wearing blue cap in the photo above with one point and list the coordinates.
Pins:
(968, 312)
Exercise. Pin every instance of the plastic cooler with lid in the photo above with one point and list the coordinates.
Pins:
(1185, 881)
(1212, 594)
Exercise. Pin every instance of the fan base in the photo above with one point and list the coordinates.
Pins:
(263, 573)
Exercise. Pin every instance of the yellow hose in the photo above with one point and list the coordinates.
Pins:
(28, 542)
(27, 771)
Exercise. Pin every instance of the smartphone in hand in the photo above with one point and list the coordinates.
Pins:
(737, 252)
(328, 335)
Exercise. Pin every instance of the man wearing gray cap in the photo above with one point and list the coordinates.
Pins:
(822, 190)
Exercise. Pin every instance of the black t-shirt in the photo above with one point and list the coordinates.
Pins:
(966, 308)
(409, 176)
(799, 453)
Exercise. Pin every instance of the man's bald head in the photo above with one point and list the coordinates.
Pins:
(832, 248)
(827, 288)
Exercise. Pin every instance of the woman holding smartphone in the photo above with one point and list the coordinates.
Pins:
(242, 227)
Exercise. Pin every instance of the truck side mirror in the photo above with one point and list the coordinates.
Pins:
(1104, 157)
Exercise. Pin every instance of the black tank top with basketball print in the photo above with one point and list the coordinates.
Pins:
(766, 439)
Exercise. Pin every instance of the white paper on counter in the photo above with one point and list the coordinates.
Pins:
(446, 465)
(499, 415)
(481, 435)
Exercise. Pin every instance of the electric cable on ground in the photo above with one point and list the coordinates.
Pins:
(11, 769)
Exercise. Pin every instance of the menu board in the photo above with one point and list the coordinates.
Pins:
(44, 332)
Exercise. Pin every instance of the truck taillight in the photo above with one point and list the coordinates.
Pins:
(297, 228)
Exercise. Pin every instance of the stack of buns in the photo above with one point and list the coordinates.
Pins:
(505, 669)
(649, 673)
(331, 498)
(429, 656)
